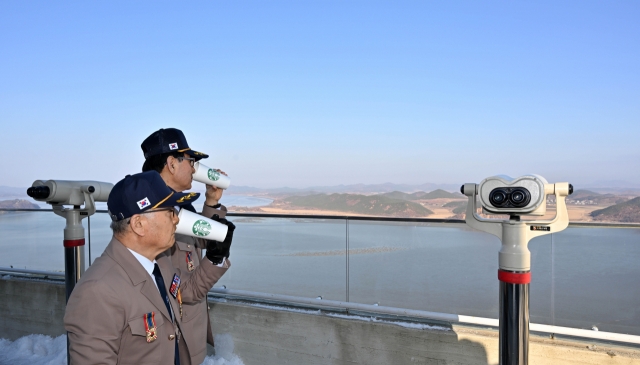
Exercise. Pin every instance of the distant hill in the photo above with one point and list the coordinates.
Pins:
(455, 204)
(580, 194)
(398, 195)
(17, 204)
(437, 194)
(379, 189)
(421, 195)
(595, 198)
(360, 204)
(627, 212)
(617, 191)
(460, 210)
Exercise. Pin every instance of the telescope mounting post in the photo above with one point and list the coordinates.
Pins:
(74, 240)
(73, 243)
(514, 273)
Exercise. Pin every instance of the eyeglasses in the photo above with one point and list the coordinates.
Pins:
(191, 160)
(173, 210)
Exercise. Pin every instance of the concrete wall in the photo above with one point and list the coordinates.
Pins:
(264, 336)
(28, 307)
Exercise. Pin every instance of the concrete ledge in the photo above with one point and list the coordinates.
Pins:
(266, 336)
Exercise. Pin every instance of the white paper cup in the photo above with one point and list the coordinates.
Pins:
(195, 225)
(209, 176)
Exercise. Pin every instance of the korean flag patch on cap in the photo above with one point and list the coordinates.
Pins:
(173, 146)
(144, 203)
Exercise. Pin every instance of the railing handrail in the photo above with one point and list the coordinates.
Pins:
(365, 218)
(31, 272)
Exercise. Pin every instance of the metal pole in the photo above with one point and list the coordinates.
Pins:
(514, 319)
(347, 258)
(514, 275)
(73, 253)
(89, 235)
(69, 268)
(73, 248)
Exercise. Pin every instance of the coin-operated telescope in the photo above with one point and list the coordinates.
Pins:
(525, 195)
(59, 193)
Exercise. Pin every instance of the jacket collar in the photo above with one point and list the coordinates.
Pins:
(120, 254)
(137, 274)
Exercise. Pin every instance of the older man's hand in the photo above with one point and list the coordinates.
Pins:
(217, 251)
(213, 194)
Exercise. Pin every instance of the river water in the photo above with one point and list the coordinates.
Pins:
(581, 277)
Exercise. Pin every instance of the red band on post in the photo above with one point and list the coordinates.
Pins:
(514, 277)
(73, 243)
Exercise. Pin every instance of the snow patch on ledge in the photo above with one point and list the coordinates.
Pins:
(224, 352)
(34, 350)
(45, 350)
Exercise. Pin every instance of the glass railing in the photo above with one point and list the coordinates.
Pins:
(299, 257)
(582, 277)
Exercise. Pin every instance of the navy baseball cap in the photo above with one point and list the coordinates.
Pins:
(141, 192)
(168, 140)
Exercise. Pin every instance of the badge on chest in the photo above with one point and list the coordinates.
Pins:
(175, 285)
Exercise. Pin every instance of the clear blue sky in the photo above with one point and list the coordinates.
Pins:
(302, 93)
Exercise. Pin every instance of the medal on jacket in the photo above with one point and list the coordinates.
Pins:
(175, 284)
(190, 265)
(180, 301)
(150, 326)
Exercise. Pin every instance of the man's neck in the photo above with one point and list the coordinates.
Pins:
(138, 247)
(168, 179)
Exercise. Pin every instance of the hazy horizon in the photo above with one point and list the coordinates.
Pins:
(427, 187)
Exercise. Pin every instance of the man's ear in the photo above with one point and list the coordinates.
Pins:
(138, 225)
(171, 165)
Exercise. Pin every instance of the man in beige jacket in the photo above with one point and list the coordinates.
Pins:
(167, 152)
(126, 307)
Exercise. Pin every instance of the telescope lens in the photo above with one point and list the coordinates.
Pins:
(498, 197)
(517, 197)
(520, 197)
(39, 192)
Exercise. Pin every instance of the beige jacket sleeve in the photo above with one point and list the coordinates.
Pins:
(195, 285)
(95, 321)
(208, 211)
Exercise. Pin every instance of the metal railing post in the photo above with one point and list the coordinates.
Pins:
(347, 255)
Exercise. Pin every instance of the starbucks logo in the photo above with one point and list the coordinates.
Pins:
(213, 175)
(201, 228)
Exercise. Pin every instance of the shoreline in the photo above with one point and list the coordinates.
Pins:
(577, 213)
